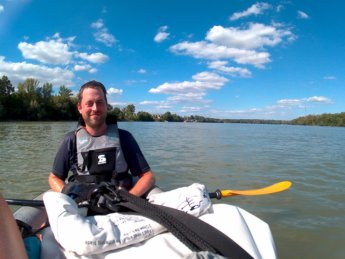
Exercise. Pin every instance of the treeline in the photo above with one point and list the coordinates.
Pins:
(30, 101)
(33, 102)
(327, 119)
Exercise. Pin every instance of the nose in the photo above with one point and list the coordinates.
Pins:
(94, 106)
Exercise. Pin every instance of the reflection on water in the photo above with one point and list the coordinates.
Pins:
(307, 221)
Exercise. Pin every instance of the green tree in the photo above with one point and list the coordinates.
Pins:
(168, 116)
(65, 92)
(116, 113)
(6, 87)
(47, 90)
(144, 116)
(129, 112)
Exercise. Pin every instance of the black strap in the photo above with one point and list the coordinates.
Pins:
(195, 233)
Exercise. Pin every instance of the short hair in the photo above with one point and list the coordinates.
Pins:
(92, 84)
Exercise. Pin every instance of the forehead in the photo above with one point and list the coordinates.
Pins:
(90, 93)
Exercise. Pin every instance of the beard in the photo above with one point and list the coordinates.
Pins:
(94, 121)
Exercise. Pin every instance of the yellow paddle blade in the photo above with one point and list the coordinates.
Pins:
(277, 187)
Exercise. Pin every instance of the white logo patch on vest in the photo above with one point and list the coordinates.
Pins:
(102, 160)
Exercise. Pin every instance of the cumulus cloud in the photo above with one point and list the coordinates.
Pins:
(82, 67)
(94, 57)
(255, 9)
(221, 66)
(2, 8)
(302, 101)
(49, 52)
(112, 91)
(19, 71)
(102, 33)
(211, 51)
(55, 55)
(319, 99)
(85, 67)
(189, 97)
(244, 46)
(142, 71)
(202, 82)
(57, 51)
(282, 108)
(256, 36)
(162, 35)
(302, 15)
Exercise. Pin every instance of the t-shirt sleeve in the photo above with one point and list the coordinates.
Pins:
(63, 161)
(135, 159)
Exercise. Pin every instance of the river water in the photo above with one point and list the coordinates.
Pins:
(307, 221)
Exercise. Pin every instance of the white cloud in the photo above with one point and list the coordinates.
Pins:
(142, 71)
(49, 52)
(159, 105)
(162, 35)
(233, 71)
(290, 102)
(94, 57)
(20, 71)
(257, 35)
(57, 51)
(97, 24)
(93, 70)
(302, 101)
(202, 82)
(2, 8)
(319, 99)
(244, 46)
(85, 67)
(191, 109)
(205, 50)
(114, 91)
(329, 78)
(302, 15)
(283, 109)
(102, 33)
(255, 9)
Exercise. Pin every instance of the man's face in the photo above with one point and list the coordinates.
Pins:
(93, 107)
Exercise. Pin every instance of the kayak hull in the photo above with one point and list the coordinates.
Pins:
(248, 231)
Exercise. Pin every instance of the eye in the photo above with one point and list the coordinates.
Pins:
(89, 104)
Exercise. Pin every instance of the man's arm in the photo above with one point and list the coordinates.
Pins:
(145, 182)
(11, 242)
(55, 183)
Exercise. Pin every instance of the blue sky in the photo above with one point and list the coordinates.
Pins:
(215, 58)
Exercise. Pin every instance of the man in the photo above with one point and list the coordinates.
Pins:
(99, 150)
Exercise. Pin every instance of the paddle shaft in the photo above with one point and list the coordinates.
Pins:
(218, 194)
(20, 202)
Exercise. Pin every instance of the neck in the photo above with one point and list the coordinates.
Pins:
(95, 132)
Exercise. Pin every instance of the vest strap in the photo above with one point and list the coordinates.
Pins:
(95, 179)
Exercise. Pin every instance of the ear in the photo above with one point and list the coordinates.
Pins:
(79, 107)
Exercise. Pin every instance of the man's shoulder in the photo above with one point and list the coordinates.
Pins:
(124, 134)
(69, 137)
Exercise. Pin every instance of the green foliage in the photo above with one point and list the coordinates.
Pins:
(65, 92)
(32, 102)
(6, 87)
(144, 116)
(327, 119)
(168, 116)
(129, 112)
